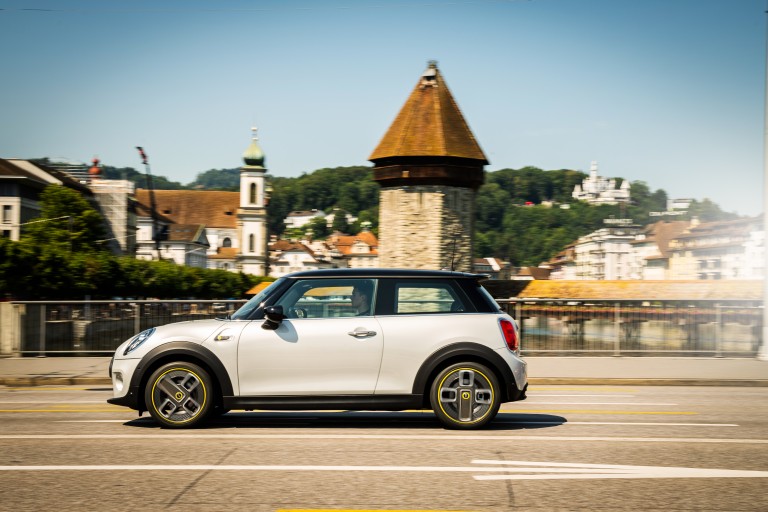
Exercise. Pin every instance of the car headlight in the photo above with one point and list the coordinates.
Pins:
(138, 340)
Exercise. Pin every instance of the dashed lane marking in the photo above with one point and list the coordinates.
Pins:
(589, 411)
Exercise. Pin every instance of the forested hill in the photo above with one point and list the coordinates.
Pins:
(511, 223)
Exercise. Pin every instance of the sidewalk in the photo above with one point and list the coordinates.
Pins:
(634, 371)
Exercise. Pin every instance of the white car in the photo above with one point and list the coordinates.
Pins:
(350, 339)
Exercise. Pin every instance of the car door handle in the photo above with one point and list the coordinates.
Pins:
(361, 332)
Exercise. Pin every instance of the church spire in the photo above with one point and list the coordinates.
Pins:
(253, 155)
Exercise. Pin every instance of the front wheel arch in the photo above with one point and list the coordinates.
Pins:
(182, 352)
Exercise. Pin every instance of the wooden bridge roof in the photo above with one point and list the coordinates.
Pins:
(629, 290)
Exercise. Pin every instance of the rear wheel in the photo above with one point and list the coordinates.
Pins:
(465, 396)
(179, 395)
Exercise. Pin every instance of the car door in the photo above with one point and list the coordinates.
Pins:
(321, 348)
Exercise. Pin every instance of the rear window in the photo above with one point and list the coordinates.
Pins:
(429, 296)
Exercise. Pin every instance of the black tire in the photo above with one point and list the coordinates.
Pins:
(465, 396)
(179, 395)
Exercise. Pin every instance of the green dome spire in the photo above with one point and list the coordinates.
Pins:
(254, 156)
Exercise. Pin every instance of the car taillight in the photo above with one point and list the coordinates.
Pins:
(510, 334)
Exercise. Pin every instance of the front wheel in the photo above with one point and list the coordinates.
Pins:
(465, 396)
(179, 395)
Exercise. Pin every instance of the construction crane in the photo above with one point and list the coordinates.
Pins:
(156, 235)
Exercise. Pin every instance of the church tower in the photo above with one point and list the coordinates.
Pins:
(252, 214)
(429, 167)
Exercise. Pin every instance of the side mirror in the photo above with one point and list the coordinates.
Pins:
(274, 317)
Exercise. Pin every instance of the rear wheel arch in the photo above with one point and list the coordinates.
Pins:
(461, 353)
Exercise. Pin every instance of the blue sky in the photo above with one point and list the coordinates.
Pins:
(670, 92)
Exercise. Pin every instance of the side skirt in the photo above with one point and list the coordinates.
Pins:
(320, 403)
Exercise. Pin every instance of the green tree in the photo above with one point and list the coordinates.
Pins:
(67, 222)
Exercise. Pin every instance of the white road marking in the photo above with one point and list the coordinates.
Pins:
(564, 470)
(399, 437)
(620, 423)
(536, 402)
(604, 395)
(96, 421)
(522, 470)
(26, 402)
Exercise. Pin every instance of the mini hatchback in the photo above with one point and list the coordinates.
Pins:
(352, 339)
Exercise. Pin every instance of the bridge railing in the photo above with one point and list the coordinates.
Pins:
(95, 327)
(727, 328)
(714, 328)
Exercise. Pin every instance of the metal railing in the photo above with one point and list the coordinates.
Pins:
(98, 327)
(714, 328)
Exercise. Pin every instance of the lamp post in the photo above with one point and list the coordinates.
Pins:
(762, 353)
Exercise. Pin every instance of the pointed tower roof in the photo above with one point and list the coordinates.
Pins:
(254, 156)
(429, 124)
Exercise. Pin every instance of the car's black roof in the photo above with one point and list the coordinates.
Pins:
(384, 272)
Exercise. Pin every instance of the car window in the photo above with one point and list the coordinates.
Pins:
(256, 302)
(413, 297)
(329, 298)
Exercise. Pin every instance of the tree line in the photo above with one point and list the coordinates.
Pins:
(520, 214)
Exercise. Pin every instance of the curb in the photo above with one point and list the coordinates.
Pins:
(576, 381)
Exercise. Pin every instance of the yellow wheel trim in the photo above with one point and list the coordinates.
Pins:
(159, 378)
(490, 384)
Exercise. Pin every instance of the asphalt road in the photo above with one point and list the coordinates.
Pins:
(567, 448)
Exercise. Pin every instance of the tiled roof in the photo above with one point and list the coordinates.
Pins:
(288, 246)
(743, 225)
(344, 243)
(225, 253)
(535, 272)
(667, 290)
(429, 124)
(214, 208)
(662, 232)
(185, 232)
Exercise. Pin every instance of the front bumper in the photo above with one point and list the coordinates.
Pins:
(121, 372)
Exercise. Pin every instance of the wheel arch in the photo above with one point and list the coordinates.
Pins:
(181, 351)
(463, 352)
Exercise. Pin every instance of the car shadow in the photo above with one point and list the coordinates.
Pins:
(357, 420)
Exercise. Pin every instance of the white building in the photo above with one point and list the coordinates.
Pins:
(605, 254)
(297, 219)
(733, 249)
(235, 222)
(649, 258)
(600, 190)
(287, 257)
(677, 250)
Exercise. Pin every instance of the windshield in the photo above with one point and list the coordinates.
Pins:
(247, 309)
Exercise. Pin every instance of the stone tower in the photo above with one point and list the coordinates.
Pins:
(252, 214)
(429, 167)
